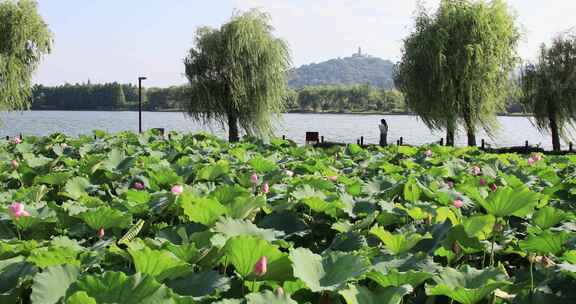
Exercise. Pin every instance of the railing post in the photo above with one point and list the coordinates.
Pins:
(7, 137)
(526, 146)
(401, 140)
(398, 142)
(283, 137)
(570, 147)
(21, 137)
(358, 142)
(442, 141)
(361, 140)
(322, 138)
(483, 144)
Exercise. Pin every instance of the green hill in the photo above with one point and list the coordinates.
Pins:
(357, 69)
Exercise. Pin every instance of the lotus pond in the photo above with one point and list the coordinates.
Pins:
(127, 218)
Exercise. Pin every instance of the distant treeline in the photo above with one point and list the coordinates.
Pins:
(121, 97)
(108, 96)
(347, 98)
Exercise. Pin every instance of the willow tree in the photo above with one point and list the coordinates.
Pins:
(549, 88)
(24, 40)
(456, 65)
(238, 75)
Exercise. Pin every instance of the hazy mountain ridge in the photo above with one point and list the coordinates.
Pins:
(356, 69)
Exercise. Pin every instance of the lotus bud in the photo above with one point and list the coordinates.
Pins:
(14, 164)
(332, 178)
(458, 204)
(482, 182)
(289, 173)
(450, 184)
(101, 232)
(428, 153)
(254, 178)
(493, 187)
(261, 266)
(279, 291)
(17, 140)
(476, 170)
(265, 188)
(531, 161)
(16, 210)
(177, 189)
(138, 186)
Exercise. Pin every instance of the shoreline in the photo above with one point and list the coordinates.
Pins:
(287, 112)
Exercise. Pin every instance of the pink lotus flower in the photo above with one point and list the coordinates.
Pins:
(17, 140)
(14, 164)
(428, 153)
(254, 178)
(265, 188)
(482, 182)
(101, 232)
(177, 189)
(450, 184)
(332, 178)
(531, 161)
(261, 266)
(139, 186)
(537, 157)
(493, 187)
(289, 173)
(476, 170)
(458, 204)
(17, 210)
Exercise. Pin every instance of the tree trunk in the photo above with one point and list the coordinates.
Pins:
(555, 133)
(233, 128)
(450, 131)
(471, 138)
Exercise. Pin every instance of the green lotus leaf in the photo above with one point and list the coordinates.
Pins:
(507, 201)
(164, 176)
(546, 242)
(212, 172)
(54, 178)
(232, 227)
(244, 251)
(76, 187)
(202, 210)
(13, 272)
(116, 287)
(329, 272)
(81, 297)
(105, 217)
(200, 285)
(570, 256)
(186, 252)
(285, 221)
(412, 190)
(268, 297)
(468, 285)
(160, 264)
(396, 278)
(244, 206)
(140, 197)
(479, 226)
(548, 217)
(51, 256)
(262, 165)
(36, 161)
(51, 285)
(362, 295)
(398, 243)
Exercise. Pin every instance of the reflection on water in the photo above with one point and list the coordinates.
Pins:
(334, 127)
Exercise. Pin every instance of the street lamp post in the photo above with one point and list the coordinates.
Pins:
(140, 103)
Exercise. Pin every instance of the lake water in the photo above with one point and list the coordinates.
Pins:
(334, 127)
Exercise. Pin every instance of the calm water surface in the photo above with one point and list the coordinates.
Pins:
(334, 127)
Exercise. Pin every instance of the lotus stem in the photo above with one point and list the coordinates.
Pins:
(531, 278)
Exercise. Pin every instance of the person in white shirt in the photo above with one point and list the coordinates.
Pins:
(383, 133)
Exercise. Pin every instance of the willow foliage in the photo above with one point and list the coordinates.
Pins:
(24, 40)
(549, 88)
(456, 65)
(238, 75)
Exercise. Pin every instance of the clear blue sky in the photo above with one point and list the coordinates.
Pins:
(119, 40)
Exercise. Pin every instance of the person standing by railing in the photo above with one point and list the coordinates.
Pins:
(383, 133)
